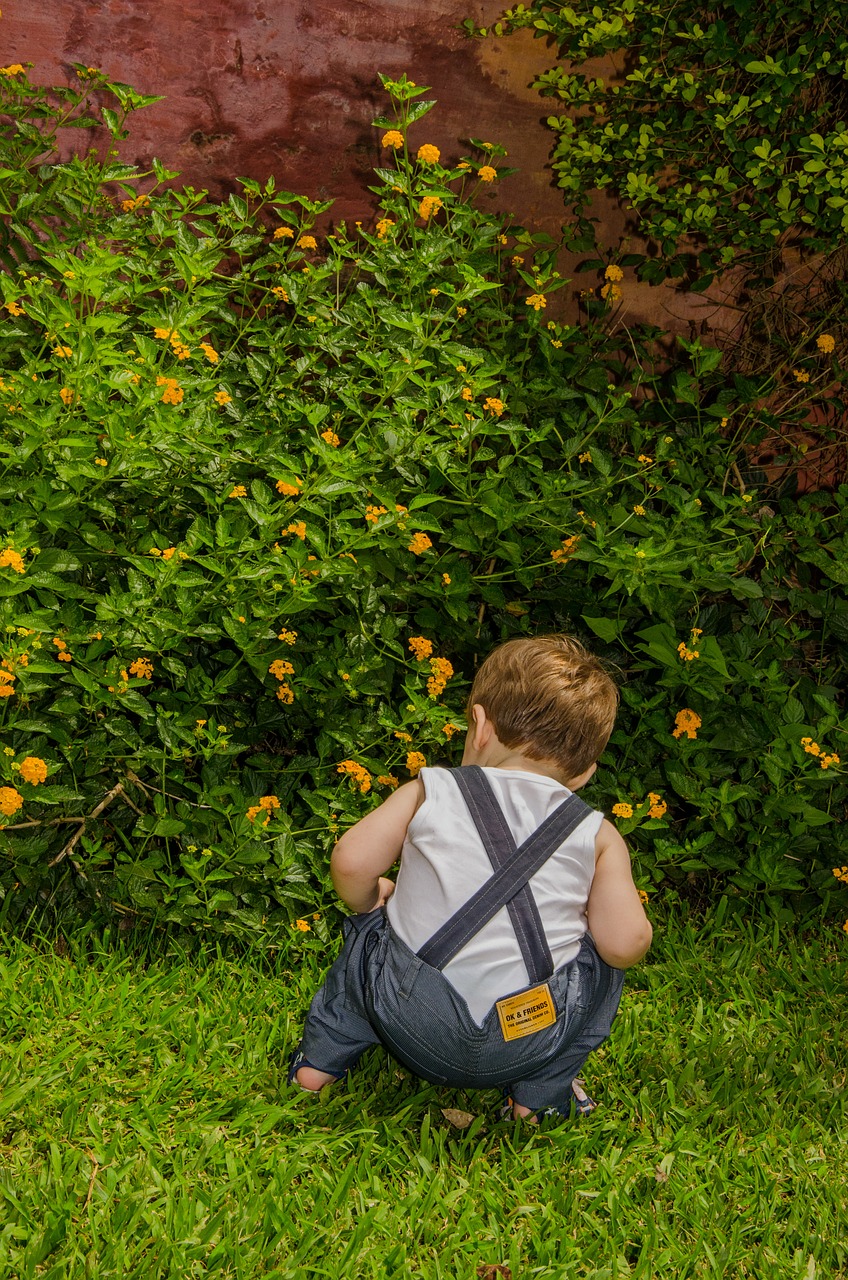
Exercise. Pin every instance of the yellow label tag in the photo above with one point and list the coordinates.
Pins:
(523, 1014)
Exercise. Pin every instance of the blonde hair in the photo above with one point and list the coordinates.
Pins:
(548, 697)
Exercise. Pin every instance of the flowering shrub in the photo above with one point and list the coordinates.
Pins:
(270, 492)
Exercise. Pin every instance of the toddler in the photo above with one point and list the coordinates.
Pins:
(496, 958)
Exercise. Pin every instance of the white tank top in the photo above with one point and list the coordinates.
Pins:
(443, 862)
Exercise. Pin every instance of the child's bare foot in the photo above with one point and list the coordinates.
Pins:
(313, 1079)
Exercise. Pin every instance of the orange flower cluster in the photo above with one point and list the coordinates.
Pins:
(537, 301)
(450, 729)
(12, 560)
(420, 647)
(63, 655)
(7, 679)
(331, 438)
(494, 405)
(280, 293)
(10, 801)
(33, 770)
(14, 308)
(372, 514)
(415, 762)
(393, 139)
(388, 780)
(428, 207)
(237, 491)
(267, 805)
(384, 226)
(66, 395)
(825, 343)
(302, 926)
(568, 548)
(298, 528)
(623, 810)
(813, 749)
(358, 774)
(685, 654)
(686, 721)
(428, 154)
(419, 544)
(658, 808)
(142, 668)
(287, 489)
(222, 397)
(841, 874)
(279, 669)
(487, 173)
(307, 242)
(287, 637)
(442, 672)
(284, 233)
(173, 392)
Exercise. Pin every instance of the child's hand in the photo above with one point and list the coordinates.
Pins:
(385, 889)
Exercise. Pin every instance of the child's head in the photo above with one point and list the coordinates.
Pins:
(548, 698)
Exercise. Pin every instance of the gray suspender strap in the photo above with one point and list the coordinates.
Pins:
(500, 845)
(502, 886)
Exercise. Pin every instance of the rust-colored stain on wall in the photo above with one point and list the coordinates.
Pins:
(289, 87)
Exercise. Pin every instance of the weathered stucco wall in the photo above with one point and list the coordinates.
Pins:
(289, 88)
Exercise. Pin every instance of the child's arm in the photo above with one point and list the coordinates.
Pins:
(370, 847)
(620, 929)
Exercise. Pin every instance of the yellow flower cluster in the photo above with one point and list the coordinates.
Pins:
(813, 749)
(14, 69)
(841, 874)
(613, 273)
(686, 721)
(611, 292)
(222, 397)
(494, 405)
(623, 810)
(419, 544)
(284, 233)
(801, 375)
(372, 514)
(267, 805)
(302, 926)
(686, 654)
(130, 206)
(307, 242)
(487, 173)
(403, 737)
(358, 774)
(67, 396)
(658, 807)
(428, 154)
(287, 637)
(825, 343)
(287, 489)
(279, 292)
(11, 559)
(568, 548)
(388, 780)
(442, 672)
(585, 457)
(64, 353)
(298, 528)
(285, 694)
(450, 729)
(142, 668)
(237, 491)
(14, 308)
(421, 648)
(10, 801)
(33, 770)
(384, 226)
(331, 438)
(537, 301)
(393, 139)
(415, 762)
(428, 207)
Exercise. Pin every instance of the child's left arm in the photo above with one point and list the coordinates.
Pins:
(370, 847)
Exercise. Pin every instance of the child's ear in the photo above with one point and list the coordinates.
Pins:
(481, 727)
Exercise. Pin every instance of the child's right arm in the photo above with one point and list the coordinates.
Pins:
(371, 846)
(620, 929)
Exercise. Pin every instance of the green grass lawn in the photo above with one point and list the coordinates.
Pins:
(146, 1129)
